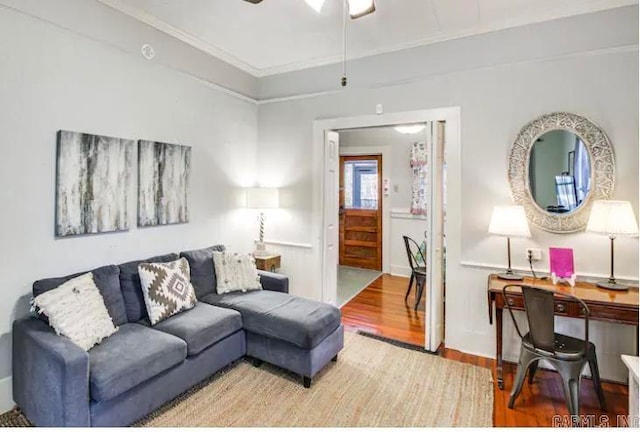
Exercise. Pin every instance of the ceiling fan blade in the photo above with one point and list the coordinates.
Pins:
(360, 8)
(357, 8)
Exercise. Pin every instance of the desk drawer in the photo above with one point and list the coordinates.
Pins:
(612, 314)
(563, 308)
(516, 302)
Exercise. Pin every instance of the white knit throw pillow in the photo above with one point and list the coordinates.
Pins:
(77, 311)
(235, 272)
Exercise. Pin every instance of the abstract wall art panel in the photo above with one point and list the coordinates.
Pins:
(92, 178)
(163, 179)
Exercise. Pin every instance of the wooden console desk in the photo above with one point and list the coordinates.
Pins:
(605, 305)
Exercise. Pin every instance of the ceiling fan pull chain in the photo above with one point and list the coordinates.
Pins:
(343, 81)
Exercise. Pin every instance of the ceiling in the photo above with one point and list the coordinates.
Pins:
(278, 36)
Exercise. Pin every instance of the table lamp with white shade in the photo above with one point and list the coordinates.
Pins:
(509, 221)
(612, 218)
(262, 198)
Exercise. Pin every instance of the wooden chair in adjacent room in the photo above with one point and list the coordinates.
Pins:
(568, 355)
(417, 263)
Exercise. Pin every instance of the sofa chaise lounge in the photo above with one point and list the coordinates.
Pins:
(140, 367)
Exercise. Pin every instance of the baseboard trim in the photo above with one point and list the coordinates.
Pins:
(6, 395)
(399, 270)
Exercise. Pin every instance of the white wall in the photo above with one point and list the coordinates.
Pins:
(99, 22)
(396, 218)
(507, 79)
(51, 79)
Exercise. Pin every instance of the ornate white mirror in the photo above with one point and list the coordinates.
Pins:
(559, 164)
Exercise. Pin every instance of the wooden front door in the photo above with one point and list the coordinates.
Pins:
(361, 211)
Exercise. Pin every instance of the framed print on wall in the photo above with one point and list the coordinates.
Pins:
(92, 177)
(163, 179)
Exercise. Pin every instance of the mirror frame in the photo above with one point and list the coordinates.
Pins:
(602, 170)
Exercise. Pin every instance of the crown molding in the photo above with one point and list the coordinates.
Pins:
(127, 9)
(150, 20)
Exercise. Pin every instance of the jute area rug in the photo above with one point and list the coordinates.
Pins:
(373, 384)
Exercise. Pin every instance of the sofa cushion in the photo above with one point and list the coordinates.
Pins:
(296, 320)
(202, 326)
(131, 289)
(129, 357)
(108, 283)
(203, 275)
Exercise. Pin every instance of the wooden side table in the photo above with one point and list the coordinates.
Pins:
(269, 263)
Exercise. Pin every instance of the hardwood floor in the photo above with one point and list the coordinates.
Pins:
(380, 309)
(541, 401)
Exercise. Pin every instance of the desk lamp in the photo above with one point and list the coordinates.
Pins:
(612, 218)
(509, 221)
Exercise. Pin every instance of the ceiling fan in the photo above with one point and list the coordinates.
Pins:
(357, 8)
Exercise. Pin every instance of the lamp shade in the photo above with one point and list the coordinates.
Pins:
(612, 218)
(509, 221)
(263, 198)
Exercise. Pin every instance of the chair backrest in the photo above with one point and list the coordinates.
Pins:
(539, 305)
(414, 253)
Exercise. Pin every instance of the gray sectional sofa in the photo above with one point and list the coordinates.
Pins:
(139, 368)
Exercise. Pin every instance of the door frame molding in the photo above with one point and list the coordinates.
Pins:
(451, 115)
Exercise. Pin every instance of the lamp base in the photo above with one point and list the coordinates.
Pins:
(510, 276)
(261, 250)
(612, 285)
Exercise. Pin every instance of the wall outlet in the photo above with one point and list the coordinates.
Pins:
(536, 254)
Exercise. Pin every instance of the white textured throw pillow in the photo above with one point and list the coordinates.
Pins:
(76, 310)
(235, 272)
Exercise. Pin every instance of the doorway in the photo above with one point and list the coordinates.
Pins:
(360, 224)
(391, 306)
(326, 157)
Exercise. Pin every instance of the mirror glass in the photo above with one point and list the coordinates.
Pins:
(559, 171)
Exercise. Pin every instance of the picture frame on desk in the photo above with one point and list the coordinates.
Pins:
(561, 266)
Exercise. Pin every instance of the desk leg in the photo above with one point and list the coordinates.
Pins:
(499, 349)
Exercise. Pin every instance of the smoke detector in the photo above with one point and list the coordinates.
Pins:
(148, 52)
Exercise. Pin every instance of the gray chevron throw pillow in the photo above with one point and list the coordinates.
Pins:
(166, 288)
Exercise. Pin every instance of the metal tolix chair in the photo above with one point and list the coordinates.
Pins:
(418, 265)
(568, 355)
